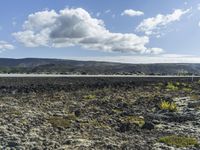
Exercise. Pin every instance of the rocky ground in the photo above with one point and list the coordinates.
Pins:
(45, 114)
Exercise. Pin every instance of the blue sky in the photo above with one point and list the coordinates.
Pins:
(136, 31)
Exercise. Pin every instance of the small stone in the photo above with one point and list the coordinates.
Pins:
(141, 117)
(155, 121)
(77, 113)
(68, 142)
(124, 127)
(12, 144)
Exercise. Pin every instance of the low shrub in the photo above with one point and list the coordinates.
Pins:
(171, 87)
(185, 89)
(168, 106)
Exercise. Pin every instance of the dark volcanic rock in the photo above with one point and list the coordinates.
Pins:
(12, 144)
(194, 104)
(77, 113)
(172, 117)
(125, 127)
(148, 126)
(51, 113)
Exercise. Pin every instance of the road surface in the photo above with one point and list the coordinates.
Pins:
(96, 76)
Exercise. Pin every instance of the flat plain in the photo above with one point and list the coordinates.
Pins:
(99, 113)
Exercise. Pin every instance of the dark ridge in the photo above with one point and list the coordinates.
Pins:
(62, 66)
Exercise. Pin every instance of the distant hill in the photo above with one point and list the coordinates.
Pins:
(60, 66)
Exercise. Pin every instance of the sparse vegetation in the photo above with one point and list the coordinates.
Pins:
(138, 120)
(111, 113)
(178, 141)
(51, 66)
(198, 81)
(171, 106)
(171, 87)
(186, 89)
(14, 112)
(60, 121)
(195, 97)
(95, 123)
(89, 97)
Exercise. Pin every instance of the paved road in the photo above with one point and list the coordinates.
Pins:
(95, 76)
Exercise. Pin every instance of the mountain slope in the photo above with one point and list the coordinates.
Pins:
(60, 66)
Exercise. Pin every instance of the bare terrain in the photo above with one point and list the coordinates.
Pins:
(85, 113)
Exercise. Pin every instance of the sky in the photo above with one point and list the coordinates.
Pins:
(136, 31)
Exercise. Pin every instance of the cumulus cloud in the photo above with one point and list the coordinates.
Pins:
(5, 46)
(131, 13)
(152, 25)
(76, 27)
(154, 51)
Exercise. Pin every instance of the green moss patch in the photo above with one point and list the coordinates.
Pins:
(179, 141)
(89, 97)
(171, 87)
(61, 122)
(134, 120)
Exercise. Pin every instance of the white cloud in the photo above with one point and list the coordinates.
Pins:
(98, 14)
(107, 11)
(31, 39)
(76, 27)
(154, 51)
(5, 46)
(144, 59)
(131, 12)
(40, 20)
(152, 25)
